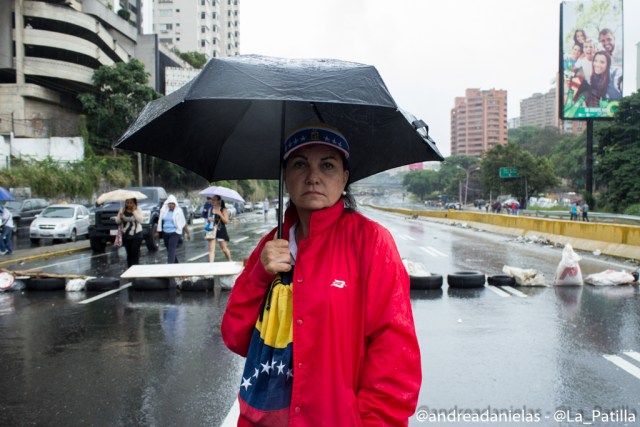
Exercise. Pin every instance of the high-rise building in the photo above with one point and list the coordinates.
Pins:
(210, 27)
(478, 122)
(540, 110)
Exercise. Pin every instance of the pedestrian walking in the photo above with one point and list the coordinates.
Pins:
(6, 235)
(217, 219)
(265, 207)
(574, 211)
(171, 224)
(348, 323)
(585, 212)
(130, 217)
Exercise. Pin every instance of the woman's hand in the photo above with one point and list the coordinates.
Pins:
(275, 256)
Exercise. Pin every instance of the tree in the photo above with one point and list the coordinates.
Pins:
(121, 93)
(618, 146)
(421, 182)
(568, 158)
(195, 59)
(538, 141)
(535, 173)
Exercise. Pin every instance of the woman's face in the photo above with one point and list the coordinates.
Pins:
(315, 177)
(216, 201)
(172, 206)
(599, 64)
(580, 38)
(129, 204)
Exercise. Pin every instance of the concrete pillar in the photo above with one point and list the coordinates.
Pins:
(6, 42)
(19, 34)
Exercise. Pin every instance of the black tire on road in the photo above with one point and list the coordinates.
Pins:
(151, 240)
(501, 280)
(150, 283)
(198, 285)
(97, 244)
(73, 236)
(46, 284)
(35, 241)
(466, 279)
(425, 282)
(102, 284)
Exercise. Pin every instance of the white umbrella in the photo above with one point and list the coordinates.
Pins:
(119, 195)
(224, 193)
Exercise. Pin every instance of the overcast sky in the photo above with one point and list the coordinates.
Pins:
(428, 51)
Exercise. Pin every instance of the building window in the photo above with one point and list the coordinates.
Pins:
(203, 15)
(165, 12)
(202, 43)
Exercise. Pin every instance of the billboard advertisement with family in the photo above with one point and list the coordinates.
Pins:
(590, 59)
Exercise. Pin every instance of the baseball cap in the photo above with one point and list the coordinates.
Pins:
(315, 133)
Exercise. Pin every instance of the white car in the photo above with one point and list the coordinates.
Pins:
(64, 222)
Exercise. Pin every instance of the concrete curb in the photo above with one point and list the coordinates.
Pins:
(29, 254)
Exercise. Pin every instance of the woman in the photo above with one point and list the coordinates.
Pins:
(602, 88)
(130, 217)
(171, 223)
(348, 323)
(218, 217)
(579, 37)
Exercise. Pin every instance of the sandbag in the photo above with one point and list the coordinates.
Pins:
(568, 272)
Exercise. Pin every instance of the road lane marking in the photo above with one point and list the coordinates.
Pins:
(240, 239)
(632, 354)
(198, 256)
(433, 251)
(105, 294)
(232, 417)
(514, 291)
(499, 292)
(407, 237)
(623, 364)
(262, 231)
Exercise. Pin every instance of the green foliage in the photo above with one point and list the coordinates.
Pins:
(124, 14)
(121, 93)
(537, 141)
(633, 210)
(421, 183)
(568, 158)
(536, 172)
(195, 59)
(52, 179)
(618, 150)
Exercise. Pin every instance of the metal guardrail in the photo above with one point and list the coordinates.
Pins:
(608, 218)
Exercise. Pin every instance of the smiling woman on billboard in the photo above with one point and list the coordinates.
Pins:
(590, 65)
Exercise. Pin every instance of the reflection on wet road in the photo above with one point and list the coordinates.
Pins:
(156, 358)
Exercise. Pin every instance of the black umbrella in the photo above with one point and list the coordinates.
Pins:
(230, 121)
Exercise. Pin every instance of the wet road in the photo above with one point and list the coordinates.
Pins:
(156, 358)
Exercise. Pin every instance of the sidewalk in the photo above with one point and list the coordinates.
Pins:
(37, 252)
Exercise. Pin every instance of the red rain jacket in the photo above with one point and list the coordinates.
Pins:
(355, 352)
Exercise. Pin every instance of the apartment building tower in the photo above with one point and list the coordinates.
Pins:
(210, 27)
(478, 122)
(540, 110)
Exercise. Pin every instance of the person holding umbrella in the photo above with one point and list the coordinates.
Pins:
(218, 217)
(130, 217)
(349, 322)
(171, 223)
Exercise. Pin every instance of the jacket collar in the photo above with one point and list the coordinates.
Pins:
(320, 220)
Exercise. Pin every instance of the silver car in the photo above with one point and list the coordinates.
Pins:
(60, 222)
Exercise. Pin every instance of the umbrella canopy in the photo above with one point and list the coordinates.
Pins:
(119, 195)
(230, 121)
(6, 194)
(224, 193)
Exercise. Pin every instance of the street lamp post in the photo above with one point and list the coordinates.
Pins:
(466, 187)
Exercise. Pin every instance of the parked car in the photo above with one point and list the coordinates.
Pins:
(248, 206)
(197, 211)
(64, 222)
(232, 210)
(258, 207)
(187, 208)
(25, 211)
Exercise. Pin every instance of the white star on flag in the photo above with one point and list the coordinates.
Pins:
(256, 374)
(281, 367)
(266, 367)
(289, 373)
(246, 383)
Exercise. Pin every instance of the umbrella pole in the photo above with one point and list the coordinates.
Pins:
(280, 209)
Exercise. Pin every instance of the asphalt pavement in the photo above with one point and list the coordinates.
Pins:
(44, 251)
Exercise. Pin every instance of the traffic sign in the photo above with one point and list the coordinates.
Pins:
(509, 173)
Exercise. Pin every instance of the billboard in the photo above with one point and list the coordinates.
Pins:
(590, 59)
